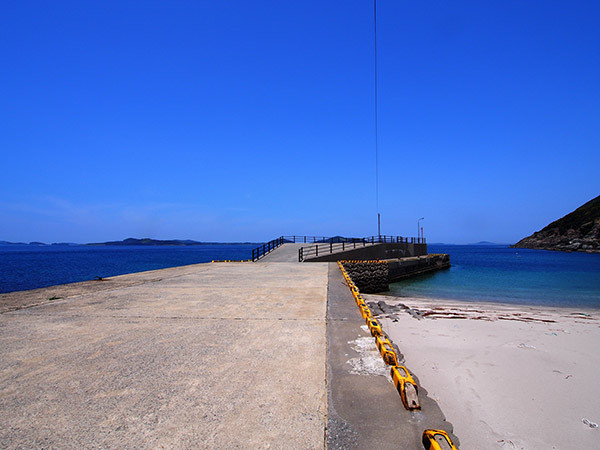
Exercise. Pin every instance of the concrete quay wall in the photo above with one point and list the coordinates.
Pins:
(409, 267)
(373, 251)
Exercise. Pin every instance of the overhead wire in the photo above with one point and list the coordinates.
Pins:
(376, 123)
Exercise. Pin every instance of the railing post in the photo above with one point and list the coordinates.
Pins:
(331, 247)
(317, 250)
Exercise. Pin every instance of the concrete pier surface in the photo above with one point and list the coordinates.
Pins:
(221, 355)
(212, 356)
(287, 252)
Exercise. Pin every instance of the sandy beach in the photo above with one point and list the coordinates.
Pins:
(506, 376)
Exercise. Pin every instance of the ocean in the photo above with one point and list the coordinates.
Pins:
(478, 273)
(498, 273)
(29, 267)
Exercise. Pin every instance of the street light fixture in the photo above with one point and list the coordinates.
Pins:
(419, 228)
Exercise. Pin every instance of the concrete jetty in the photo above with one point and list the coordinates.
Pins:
(219, 355)
(287, 252)
(222, 355)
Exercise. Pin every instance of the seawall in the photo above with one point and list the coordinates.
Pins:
(371, 252)
(374, 276)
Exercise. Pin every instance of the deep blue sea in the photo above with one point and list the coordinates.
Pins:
(29, 267)
(483, 273)
(509, 275)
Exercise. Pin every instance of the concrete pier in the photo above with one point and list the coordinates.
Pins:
(288, 252)
(222, 355)
(219, 355)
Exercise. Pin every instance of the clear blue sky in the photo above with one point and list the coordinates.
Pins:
(242, 121)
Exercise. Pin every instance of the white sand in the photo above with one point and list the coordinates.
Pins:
(505, 377)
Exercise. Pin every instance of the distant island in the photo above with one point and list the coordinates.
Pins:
(148, 241)
(22, 243)
(131, 241)
(578, 231)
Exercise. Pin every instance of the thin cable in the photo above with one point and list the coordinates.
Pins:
(376, 118)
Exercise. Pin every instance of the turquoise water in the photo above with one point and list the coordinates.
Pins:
(507, 275)
(478, 273)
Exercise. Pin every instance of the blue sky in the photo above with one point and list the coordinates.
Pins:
(242, 121)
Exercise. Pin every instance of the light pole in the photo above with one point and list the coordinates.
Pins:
(419, 227)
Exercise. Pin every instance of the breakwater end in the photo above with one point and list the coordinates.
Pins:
(375, 276)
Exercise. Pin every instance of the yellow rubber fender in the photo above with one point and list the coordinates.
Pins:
(374, 327)
(379, 340)
(386, 350)
(365, 311)
(406, 386)
(437, 440)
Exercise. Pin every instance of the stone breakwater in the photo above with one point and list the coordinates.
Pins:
(368, 276)
(375, 276)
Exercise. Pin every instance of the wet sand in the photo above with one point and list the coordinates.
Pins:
(506, 376)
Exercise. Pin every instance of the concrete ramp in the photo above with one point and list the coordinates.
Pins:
(284, 253)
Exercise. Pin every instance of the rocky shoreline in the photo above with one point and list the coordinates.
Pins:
(569, 242)
(578, 231)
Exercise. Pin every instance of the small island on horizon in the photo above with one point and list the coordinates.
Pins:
(130, 241)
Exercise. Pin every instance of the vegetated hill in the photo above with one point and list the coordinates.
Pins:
(578, 231)
(148, 241)
(22, 243)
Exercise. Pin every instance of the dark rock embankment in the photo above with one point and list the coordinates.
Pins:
(369, 276)
(578, 231)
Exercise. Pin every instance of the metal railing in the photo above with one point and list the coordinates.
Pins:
(352, 243)
(305, 239)
(267, 248)
(264, 249)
